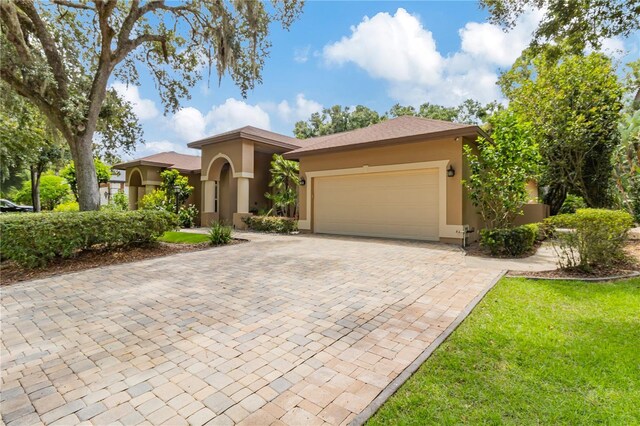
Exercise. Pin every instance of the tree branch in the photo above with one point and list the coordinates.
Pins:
(132, 45)
(72, 4)
(54, 59)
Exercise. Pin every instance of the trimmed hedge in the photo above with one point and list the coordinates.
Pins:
(277, 224)
(511, 241)
(593, 237)
(35, 239)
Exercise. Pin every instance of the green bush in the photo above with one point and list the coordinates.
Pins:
(510, 241)
(593, 237)
(69, 206)
(187, 216)
(277, 224)
(219, 234)
(35, 239)
(572, 203)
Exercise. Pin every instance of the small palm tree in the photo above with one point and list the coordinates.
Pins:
(284, 181)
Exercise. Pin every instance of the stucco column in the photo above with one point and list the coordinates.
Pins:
(150, 189)
(243, 195)
(133, 197)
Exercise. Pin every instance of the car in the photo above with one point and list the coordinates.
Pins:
(7, 206)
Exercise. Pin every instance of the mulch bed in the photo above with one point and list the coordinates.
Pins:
(627, 268)
(11, 273)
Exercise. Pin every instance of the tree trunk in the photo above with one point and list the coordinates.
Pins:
(555, 198)
(87, 180)
(35, 188)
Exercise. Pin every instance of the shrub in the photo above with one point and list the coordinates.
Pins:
(571, 204)
(36, 239)
(187, 216)
(219, 234)
(69, 206)
(155, 200)
(509, 241)
(120, 201)
(594, 237)
(277, 224)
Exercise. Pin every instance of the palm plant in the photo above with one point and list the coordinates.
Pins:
(284, 181)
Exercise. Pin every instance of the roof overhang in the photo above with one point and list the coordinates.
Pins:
(239, 135)
(462, 132)
(138, 163)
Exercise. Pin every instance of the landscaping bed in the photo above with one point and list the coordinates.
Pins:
(532, 352)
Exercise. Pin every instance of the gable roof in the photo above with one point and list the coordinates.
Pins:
(169, 160)
(405, 128)
(253, 134)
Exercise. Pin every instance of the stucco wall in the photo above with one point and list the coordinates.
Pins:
(259, 185)
(428, 150)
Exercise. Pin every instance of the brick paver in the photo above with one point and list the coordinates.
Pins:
(294, 330)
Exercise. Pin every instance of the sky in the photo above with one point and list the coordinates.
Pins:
(370, 53)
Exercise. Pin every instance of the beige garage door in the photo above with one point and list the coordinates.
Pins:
(393, 205)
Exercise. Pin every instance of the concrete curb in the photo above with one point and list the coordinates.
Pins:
(589, 279)
(395, 384)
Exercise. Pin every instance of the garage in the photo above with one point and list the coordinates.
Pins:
(402, 204)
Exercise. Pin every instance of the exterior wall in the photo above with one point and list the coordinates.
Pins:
(533, 213)
(447, 150)
(469, 211)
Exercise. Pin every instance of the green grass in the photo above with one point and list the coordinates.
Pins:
(183, 238)
(533, 352)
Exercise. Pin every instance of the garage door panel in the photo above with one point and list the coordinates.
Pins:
(395, 205)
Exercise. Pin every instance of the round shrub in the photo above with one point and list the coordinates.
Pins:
(572, 203)
(509, 241)
(593, 237)
(36, 239)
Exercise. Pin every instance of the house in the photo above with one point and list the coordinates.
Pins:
(401, 178)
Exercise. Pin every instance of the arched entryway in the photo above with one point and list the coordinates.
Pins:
(220, 191)
(136, 189)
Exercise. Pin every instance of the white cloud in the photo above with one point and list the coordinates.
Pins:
(143, 108)
(301, 110)
(301, 55)
(233, 114)
(189, 124)
(400, 50)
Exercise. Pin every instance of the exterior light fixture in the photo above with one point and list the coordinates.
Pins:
(450, 171)
(302, 182)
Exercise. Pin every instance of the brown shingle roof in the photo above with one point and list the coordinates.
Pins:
(251, 133)
(171, 159)
(405, 127)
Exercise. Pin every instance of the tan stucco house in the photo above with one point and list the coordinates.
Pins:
(401, 178)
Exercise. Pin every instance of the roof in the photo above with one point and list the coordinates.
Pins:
(251, 133)
(405, 129)
(170, 160)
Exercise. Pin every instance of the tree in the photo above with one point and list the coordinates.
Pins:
(576, 24)
(574, 106)
(468, 112)
(335, 120)
(284, 181)
(53, 190)
(103, 174)
(61, 54)
(27, 142)
(500, 170)
(176, 187)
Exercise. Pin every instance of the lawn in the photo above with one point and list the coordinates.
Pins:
(533, 352)
(184, 238)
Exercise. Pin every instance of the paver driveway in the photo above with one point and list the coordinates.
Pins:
(295, 330)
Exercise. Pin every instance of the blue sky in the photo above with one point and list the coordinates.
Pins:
(349, 53)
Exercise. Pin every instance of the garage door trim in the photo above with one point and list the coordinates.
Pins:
(445, 231)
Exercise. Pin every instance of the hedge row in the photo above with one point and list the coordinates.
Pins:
(35, 239)
(277, 224)
(510, 242)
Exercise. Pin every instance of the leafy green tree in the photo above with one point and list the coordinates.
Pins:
(500, 170)
(53, 190)
(27, 143)
(103, 174)
(335, 120)
(285, 180)
(574, 106)
(468, 112)
(175, 186)
(576, 24)
(61, 55)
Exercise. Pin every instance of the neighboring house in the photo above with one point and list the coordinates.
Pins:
(115, 184)
(401, 178)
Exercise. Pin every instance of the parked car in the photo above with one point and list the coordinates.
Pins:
(7, 206)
